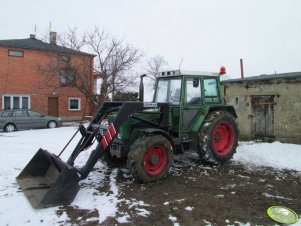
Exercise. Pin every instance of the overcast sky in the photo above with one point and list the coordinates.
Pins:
(206, 34)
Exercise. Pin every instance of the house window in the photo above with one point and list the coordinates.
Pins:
(74, 104)
(15, 53)
(67, 77)
(64, 58)
(15, 102)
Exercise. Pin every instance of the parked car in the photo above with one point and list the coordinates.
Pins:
(11, 120)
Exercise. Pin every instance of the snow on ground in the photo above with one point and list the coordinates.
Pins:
(277, 155)
(16, 150)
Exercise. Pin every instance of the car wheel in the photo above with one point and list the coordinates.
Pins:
(10, 128)
(52, 124)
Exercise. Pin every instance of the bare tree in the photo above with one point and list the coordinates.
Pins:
(155, 65)
(114, 60)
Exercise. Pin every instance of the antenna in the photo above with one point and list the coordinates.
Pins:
(180, 64)
(50, 27)
(35, 29)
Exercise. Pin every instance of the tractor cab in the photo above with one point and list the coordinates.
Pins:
(189, 95)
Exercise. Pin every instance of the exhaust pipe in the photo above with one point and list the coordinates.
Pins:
(141, 88)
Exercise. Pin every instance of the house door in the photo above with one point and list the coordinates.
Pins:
(53, 106)
(263, 120)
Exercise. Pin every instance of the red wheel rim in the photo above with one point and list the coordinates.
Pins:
(155, 160)
(223, 138)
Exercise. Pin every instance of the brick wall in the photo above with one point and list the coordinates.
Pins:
(28, 75)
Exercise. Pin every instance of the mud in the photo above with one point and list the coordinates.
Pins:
(196, 194)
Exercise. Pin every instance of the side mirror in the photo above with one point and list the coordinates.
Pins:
(195, 83)
(42, 116)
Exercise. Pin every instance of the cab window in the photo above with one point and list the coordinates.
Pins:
(211, 91)
(168, 91)
(193, 91)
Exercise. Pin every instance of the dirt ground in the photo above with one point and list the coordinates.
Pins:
(195, 194)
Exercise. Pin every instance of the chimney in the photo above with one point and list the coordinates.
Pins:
(52, 37)
(32, 36)
(241, 68)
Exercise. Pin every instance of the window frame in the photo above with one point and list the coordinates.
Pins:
(14, 50)
(200, 87)
(65, 73)
(20, 96)
(60, 57)
(218, 94)
(79, 103)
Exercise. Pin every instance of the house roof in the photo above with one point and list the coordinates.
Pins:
(264, 77)
(33, 43)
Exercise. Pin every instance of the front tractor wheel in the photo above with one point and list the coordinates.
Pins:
(218, 138)
(150, 158)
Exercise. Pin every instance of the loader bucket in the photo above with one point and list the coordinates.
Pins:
(48, 181)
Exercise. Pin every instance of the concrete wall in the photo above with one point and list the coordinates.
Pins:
(287, 107)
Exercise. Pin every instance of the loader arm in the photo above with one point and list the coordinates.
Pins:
(48, 181)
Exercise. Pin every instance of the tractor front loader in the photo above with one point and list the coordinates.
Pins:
(187, 114)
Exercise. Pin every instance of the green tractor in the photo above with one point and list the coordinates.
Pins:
(188, 113)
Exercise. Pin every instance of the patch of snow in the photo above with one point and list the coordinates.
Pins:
(172, 218)
(189, 208)
(220, 196)
(142, 212)
(275, 196)
(123, 219)
(207, 223)
(277, 155)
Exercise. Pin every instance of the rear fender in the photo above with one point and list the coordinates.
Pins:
(227, 108)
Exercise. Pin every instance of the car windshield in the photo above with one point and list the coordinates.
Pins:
(168, 90)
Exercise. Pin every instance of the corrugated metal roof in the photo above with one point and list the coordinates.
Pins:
(264, 77)
(33, 43)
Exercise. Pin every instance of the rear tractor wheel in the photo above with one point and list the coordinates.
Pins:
(218, 138)
(150, 158)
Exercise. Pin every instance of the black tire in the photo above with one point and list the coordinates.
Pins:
(10, 127)
(150, 158)
(52, 124)
(218, 138)
(113, 161)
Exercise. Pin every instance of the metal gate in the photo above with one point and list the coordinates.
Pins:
(263, 120)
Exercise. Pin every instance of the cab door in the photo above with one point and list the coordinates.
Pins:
(192, 102)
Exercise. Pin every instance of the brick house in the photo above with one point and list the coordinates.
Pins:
(268, 106)
(37, 75)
